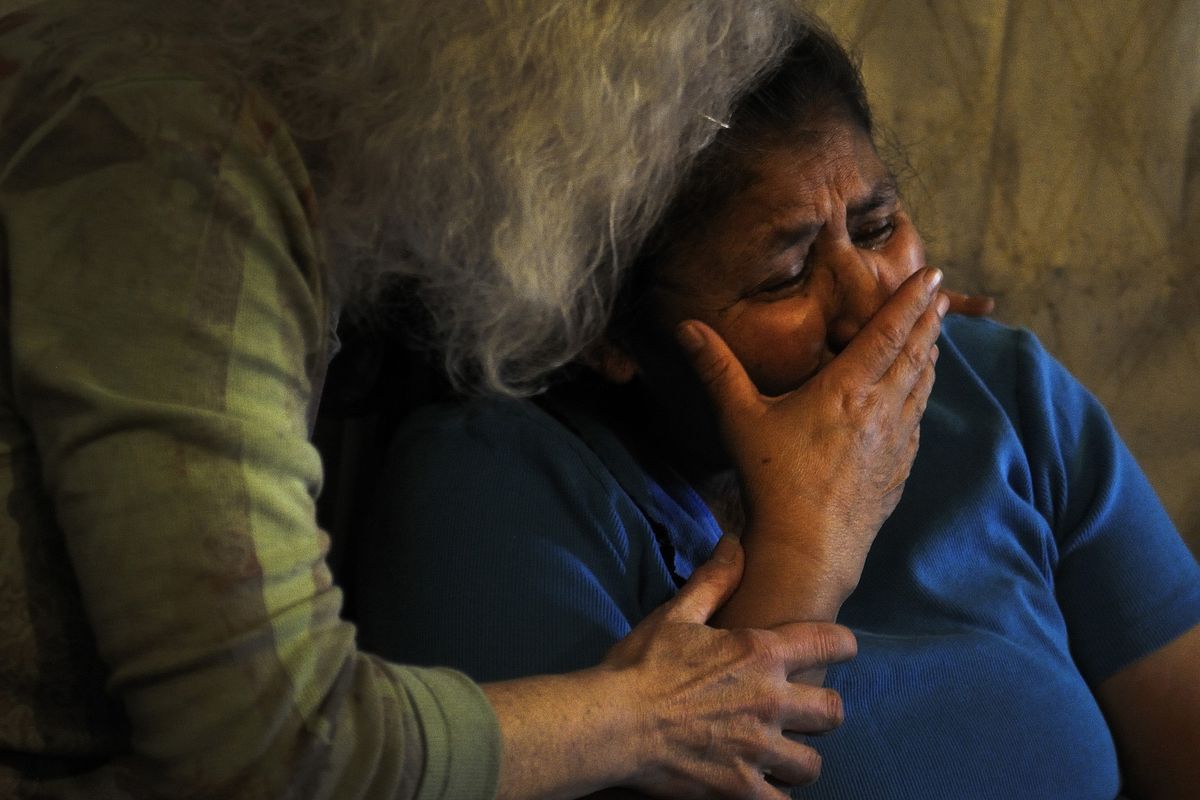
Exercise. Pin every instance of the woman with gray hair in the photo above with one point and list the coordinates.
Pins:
(189, 191)
(1027, 617)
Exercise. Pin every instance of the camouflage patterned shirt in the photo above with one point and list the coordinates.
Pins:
(168, 625)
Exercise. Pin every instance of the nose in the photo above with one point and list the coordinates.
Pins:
(860, 286)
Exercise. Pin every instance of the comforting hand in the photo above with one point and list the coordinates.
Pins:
(823, 466)
(677, 709)
(717, 702)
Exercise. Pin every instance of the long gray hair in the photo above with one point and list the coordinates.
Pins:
(506, 157)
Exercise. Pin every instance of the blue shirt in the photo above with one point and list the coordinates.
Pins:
(1028, 560)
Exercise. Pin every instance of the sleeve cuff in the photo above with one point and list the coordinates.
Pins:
(462, 736)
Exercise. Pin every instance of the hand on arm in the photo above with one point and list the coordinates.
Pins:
(677, 709)
(822, 467)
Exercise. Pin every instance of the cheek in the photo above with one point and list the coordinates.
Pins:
(781, 344)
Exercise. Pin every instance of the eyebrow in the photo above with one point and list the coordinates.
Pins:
(784, 237)
(884, 194)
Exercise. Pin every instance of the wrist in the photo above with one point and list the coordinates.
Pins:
(566, 735)
(625, 728)
(787, 579)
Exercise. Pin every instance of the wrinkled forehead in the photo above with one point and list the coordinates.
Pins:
(816, 175)
(828, 153)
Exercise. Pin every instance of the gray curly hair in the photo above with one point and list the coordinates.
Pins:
(507, 157)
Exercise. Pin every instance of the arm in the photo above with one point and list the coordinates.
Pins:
(165, 299)
(1127, 585)
(1153, 707)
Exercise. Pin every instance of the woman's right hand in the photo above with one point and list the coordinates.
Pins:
(715, 705)
(677, 709)
(823, 467)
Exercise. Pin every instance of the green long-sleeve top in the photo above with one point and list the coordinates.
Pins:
(168, 625)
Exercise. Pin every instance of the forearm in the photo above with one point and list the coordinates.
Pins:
(565, 735)
(775, 592)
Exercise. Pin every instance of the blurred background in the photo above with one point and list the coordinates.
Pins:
(1050, 151)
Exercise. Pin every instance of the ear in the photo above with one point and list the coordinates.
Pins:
(610, 361)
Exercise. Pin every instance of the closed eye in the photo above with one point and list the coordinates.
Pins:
(875, 234)
(780, 285)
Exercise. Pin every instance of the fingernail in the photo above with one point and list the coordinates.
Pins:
(942, 304)
(933, 279)
(689, 337)
(934, 352)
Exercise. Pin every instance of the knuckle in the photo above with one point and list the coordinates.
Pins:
(892, 336)
(757, 645)
(761, 740)
(917, 356)
(771, 708)
(925, 387)
(858, 403)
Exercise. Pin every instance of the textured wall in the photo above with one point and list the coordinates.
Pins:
(1054, 148)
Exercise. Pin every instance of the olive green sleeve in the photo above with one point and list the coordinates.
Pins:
(167, 323)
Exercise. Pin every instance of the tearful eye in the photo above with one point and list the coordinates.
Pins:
(875, 234)
(777, 286)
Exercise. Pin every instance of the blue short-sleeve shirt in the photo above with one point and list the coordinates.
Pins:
(1027, 561)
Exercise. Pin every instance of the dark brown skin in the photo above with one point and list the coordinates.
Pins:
(817, 320)
(809, 319)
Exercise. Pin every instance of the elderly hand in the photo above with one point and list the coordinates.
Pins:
(717, 702)
(677, 709)
(823, 467)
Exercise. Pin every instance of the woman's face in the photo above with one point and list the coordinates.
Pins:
(788, 269)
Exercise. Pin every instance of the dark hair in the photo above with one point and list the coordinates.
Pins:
(815, 78)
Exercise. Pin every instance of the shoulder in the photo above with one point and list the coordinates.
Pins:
(501, 472)
(509, 435)
(1039, 395)
(1055, 439)
(994, 350)
(115, 156)
(73, 105)
(502, 546)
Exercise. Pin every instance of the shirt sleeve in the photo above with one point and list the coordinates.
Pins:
(166, 320)
(1125, 580)
(502, 548)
